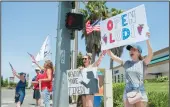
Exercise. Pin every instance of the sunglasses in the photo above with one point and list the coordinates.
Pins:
(84, 58)
(133, 49)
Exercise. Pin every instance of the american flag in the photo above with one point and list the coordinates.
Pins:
(94, 27)
(11, 66)
(31, 56)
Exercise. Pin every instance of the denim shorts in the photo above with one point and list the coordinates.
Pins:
(46, 97)
(21, 96)
(130, 87)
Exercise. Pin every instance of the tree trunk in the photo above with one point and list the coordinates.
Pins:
(111, 67)
(93, 56)
(111, 63)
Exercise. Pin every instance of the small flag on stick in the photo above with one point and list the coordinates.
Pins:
(11, 68)
(31, 56)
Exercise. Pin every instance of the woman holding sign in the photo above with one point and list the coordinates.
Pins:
(46, 81)
(89, 98)
(134, 93)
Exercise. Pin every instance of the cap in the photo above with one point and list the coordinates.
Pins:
(37, 69)
(134, 46)
(21, 73)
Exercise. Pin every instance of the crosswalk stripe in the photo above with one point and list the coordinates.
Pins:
(4, 105)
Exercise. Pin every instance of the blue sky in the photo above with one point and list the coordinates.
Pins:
(26, 24)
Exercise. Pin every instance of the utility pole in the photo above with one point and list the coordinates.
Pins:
(74, 51)
(75, 41)
(76, 38)
(61, 98)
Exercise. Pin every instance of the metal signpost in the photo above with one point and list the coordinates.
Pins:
(60, 93)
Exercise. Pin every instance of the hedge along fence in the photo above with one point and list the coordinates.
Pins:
(156, 99)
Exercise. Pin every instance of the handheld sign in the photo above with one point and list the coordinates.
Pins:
(126, 28)
(82, 82)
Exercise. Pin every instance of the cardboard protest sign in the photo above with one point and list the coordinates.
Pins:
(82, 82)
(123, 29)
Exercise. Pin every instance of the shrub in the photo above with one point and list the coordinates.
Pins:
(5, 83)
(162, 79)
(159, 79)
(118, 89)
(12, 84)
(145, 81)
(155, 99)
(151, 80)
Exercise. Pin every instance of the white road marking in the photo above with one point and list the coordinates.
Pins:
(8, 102)
(4, 105)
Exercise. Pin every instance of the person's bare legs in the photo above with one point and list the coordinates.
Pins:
(89, 100)
(18, 104)
(127, 104)
(141, 104)
(38, 102)
(84, 100)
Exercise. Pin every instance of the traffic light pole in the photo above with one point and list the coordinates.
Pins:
(60, 94)
(76, 39)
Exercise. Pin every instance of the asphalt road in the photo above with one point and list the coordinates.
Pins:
(7, 98)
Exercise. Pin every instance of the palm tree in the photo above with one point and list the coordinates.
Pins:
(94, 11)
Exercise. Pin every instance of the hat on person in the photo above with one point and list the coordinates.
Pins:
(134, 46)
(37, 69)
(21, 73)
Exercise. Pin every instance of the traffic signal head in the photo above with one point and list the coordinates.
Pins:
(74, 21)
(73, 4)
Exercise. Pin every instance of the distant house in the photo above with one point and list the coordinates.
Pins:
(11, 79)
(159, 66)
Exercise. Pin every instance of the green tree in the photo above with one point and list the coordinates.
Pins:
(6, 82)
(2, 81)
(26, 83)
(79, 60)
(93, 11)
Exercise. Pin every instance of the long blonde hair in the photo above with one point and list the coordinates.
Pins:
(140, 57)
(89, 55)
(49, 65)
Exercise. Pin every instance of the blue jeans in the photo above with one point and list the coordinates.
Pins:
(130, 87)
(46, 97)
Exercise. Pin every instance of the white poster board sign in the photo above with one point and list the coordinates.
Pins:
(126, 28)
(82, 82)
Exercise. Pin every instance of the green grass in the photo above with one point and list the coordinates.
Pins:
(158, 87)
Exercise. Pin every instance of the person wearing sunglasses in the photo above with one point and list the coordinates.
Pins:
(87, 99)
(134, 74)
(20, 88)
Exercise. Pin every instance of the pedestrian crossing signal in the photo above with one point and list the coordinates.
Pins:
(74, 21)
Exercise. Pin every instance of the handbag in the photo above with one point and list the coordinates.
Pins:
(134, 96)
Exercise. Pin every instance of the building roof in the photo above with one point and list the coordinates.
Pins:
(160, 59)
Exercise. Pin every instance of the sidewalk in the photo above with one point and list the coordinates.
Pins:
(72, 105)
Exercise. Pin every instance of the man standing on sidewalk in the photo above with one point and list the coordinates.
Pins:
(36, 94)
